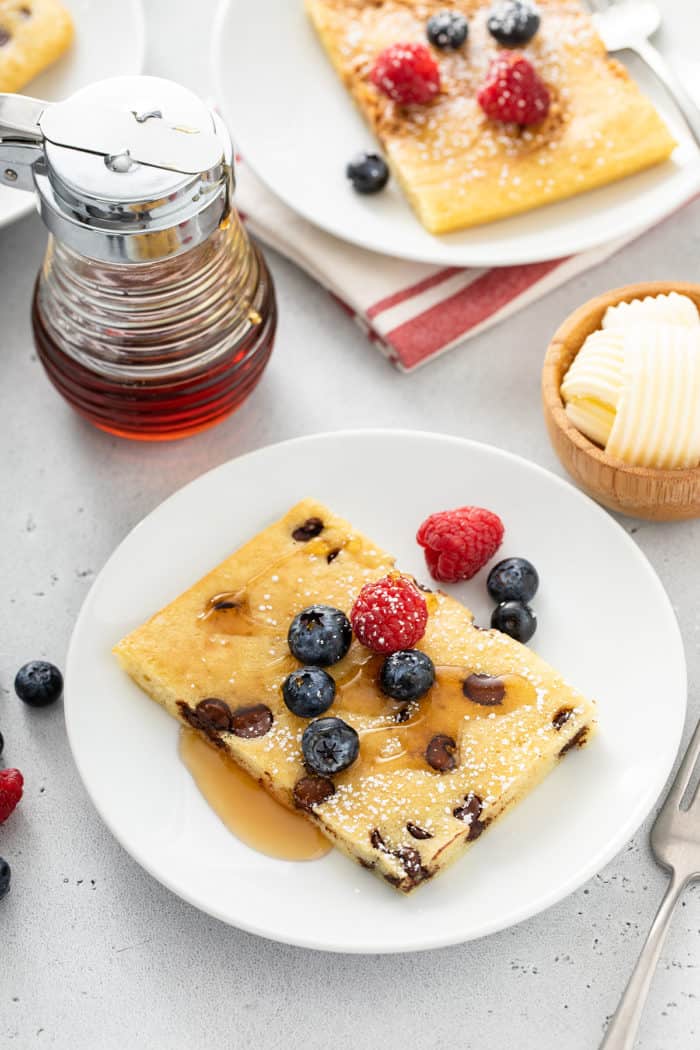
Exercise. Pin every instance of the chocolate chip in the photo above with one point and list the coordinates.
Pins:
(310, 528)
(577, 740)
(312, 791)
(418, 832)
(189, 715)
(216, 713)
(470, 811)
(562, 717)
(484, 689)
(440, 753)
(195, 719)
(411, 860)
(5, 37)
(377, 841)
(332, 555)
(475, 829)
(403, 714)
(225, 600)
(409, 857)
(367, 863)
(252, 721)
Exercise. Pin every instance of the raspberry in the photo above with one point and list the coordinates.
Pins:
(389, 614)
(457, 543)
(513, 93)
(11, 784)
(406, 73)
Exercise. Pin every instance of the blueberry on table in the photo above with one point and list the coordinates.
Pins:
(406, 675)
(308, 692)
(5, 876)
(513, 579)
(38, 683)
(368, 173)
(515, 619)
(319, 635)
(329, 746)
(513, 22)
(447, 30)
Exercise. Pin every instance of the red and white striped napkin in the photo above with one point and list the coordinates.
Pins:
(411, 311)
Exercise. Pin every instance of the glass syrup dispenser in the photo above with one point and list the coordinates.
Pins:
(153, 314)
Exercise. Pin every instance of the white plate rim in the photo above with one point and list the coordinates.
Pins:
(138, 19)
(536, 905)
(588, 239)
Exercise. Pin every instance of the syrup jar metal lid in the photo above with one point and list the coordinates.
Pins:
(128, 170)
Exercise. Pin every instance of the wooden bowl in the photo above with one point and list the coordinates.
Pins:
(642, 492)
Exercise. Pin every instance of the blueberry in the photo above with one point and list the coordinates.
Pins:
(5, 876)
(368, 173)
(329, 745)
(38, 683)
(447, 30)
(516, 619)
(406, 675)
(308, 692)
(514, 579)
(513, 22)
(320, 635)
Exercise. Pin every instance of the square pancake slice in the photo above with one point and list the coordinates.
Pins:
(430, 775)
(457, 167)
(33, 34)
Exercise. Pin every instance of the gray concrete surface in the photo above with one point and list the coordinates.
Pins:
(93, 952)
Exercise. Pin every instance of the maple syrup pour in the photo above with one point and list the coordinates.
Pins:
(229, 612)
(246, 809)
(443, 711)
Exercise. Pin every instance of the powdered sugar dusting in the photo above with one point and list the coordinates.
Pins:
(452, 132)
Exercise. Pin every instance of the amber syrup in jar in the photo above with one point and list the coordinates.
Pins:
(158, 349)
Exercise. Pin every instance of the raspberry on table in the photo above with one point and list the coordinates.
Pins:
(389, 614)
(407, 74)
(11, 785)
(457, 543)
(513, 92)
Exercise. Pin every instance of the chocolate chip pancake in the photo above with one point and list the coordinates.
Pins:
(431, 775)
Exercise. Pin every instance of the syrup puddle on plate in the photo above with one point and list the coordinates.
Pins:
(245, 808)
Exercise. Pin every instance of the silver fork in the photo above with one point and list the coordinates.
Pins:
(626, 25)
(675, 841)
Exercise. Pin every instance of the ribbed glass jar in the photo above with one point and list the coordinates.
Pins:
(156, 350)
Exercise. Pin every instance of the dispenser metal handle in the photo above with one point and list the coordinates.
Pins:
(21, 139)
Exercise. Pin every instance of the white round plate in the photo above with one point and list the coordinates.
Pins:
(605, 622)
(110, 41)
(296, 126)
